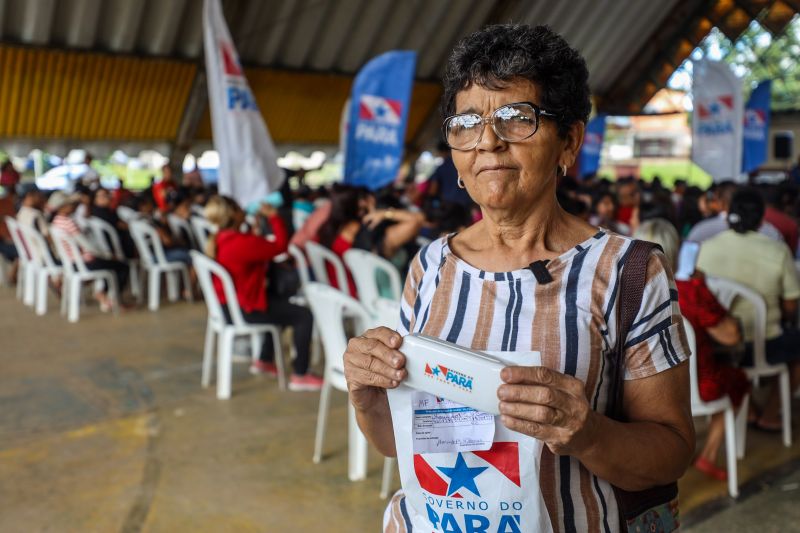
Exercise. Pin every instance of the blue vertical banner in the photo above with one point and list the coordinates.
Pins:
(756, 127)
(378, 118)
(592, 146)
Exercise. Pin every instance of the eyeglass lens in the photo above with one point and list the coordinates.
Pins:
(511, 123)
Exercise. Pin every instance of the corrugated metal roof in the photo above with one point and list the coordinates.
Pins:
(336, 36)
(631, 47)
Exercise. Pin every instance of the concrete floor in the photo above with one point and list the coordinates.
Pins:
(104, 427)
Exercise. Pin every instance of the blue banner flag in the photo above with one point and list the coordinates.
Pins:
(756, 127)
(378, 118)
(592, 146)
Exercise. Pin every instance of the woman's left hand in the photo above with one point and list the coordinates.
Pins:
(547, 405)
(373, 218)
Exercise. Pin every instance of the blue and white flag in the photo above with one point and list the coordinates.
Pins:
(378, 118)
(248, 164)
(717, 120)
(756, 127)
(592, 146)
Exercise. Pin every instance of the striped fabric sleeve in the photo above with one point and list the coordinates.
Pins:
(409, 301)
(657, 339)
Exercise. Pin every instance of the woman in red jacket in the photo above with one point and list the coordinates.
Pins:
(246, 256)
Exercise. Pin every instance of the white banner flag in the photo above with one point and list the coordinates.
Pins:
(248, 164)
(717, 120)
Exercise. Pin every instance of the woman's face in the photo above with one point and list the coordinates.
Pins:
(102, 198)
(507, 176)
(605, 208)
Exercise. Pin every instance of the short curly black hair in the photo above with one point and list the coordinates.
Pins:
(497, 54)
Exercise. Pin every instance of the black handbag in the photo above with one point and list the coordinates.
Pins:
(283, 281)
(652, 506)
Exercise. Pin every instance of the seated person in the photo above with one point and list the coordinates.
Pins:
(744, 255)
(246, 256)
(711, 323)
(101, 208)
(64, 207)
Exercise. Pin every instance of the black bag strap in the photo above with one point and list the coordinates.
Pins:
(631, 290)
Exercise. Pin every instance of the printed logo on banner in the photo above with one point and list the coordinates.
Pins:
(449, 376)
(716, 115)
(456, 486)
(239, 95)
(755, 122)
(380, 110)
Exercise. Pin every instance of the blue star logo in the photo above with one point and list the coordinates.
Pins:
(435, 371)
(462, 476)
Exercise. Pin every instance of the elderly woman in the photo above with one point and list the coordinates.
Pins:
(542, 287)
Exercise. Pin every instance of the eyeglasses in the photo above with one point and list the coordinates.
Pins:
(511, 122)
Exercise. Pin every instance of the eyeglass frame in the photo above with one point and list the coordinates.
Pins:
(537, 111)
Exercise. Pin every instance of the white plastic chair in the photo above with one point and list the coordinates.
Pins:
(364, 266)
(180, 227)
(76, 274)
(43, 266)
(126, 214)
(203, 229)
(151, 254)
(319, 256)
(207, 269)
(25, 278)
(104, 233)
(328, 306)
(735, 424)
(726, 291)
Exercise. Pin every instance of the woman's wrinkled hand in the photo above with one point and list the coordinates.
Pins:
(547, 405)
(372, 364)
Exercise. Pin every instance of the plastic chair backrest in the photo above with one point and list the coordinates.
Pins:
(106, 237)
(691, 339)
(726, 291)
(301, 264)
(207, 269)
(319, 257)
(148, 243)
(69, 252)
(127, 214)
(329, 307)
(180, 227)
(203, 229)
(40, 251)
(23, 247)
(364, 266)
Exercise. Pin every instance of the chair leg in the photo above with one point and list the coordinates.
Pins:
(277, 349)
(187, 284)
(356, 449)
(322, 420)
(172, 286)
(153, 290)
(741, 427)
(74, 299)
(41, 293)
(730, 452)
(786, 407)
(224, 364)
(29, 284)
(136, 284)
(388, 474)
(208, 356)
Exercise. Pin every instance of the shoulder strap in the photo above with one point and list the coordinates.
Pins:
(632, 282)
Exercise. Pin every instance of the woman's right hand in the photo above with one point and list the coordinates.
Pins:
(372, 364)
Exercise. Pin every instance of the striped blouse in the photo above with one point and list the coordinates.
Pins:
(571, 321)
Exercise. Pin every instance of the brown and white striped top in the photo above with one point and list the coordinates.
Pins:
(571, 321)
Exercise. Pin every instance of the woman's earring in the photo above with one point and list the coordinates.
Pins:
(563, 169)
(460, 183)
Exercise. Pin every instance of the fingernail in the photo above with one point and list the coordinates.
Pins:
(396, 361)
(398, 374)
(395, 340)
(394, 383)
